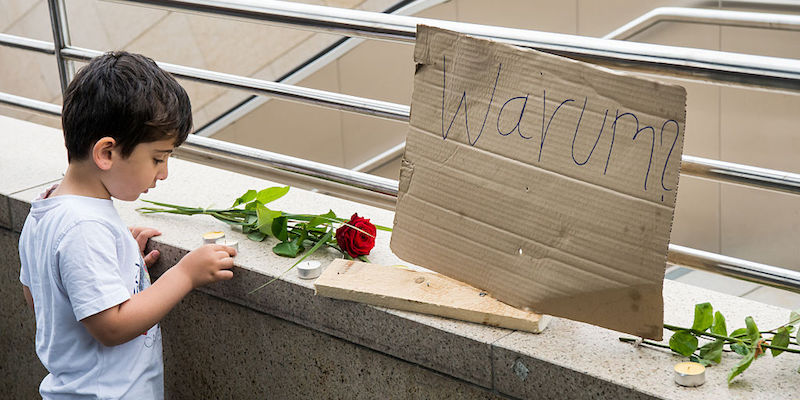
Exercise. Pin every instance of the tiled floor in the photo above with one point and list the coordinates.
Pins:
(724, 284)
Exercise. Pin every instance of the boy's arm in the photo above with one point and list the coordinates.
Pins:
(28, 297)
(124, 322)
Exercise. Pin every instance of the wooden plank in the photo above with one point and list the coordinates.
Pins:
(422, 292)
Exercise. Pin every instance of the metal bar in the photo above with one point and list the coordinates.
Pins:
(30, 104)
(720, 171)
(770, 72)
(769, 275)
(58, 21)
(296, 165)
(24, 43)
(728, 172)
(322, 98)
(705, 16)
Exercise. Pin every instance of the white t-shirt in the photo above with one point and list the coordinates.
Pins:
(78, 258)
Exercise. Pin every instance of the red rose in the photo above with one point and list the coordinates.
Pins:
(354, 242)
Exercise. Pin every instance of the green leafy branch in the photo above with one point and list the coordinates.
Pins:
(295, 232)
(748, 342)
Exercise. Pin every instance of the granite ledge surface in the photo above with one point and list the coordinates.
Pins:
(568, 360)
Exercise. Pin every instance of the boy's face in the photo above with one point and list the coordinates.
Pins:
(132, 176)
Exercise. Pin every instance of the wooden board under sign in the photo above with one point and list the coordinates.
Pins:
(422, 292)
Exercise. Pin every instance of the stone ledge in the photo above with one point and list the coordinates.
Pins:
(568, 353)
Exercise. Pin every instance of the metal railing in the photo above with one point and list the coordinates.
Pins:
(773, 72)
(703, 16)
(770, 72)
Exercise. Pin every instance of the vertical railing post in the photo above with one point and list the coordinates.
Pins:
(58, 20)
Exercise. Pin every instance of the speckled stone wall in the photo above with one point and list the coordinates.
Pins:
(20, 369)
(216, 349)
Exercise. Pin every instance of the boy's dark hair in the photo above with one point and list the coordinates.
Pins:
(127, 97)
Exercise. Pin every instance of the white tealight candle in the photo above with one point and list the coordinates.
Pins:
(309, 269)
(229, 243)
(212, 237)
(690, 374)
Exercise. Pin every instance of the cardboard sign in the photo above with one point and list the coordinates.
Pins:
(548, 182)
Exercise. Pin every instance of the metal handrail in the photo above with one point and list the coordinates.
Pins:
(734, 267)
(722, 171)
(704, 16)
(772, 72)
(24, 43)
(321, 98)
(31, 104)
(58, 21)
(296, 165)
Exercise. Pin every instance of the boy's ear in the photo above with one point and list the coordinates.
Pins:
(102, 152)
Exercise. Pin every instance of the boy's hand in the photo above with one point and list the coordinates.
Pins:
(208, 264)
(142, 235)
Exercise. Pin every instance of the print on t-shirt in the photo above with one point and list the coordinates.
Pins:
(142, 282)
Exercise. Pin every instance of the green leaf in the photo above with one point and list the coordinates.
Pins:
(256, 236)
(781, 339)
(752, 330)
(703, 316)
(286, 249)
(718, 327)
(247, 197)
(279, 229)
(321, 219)
(699, 360)
(739, 333)
(265, 217)
(291, 248)
(739, 348)
(741, 366)
(683, 342)
(271, 194)
(712, 351)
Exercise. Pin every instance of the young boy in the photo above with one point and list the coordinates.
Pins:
(83, 272)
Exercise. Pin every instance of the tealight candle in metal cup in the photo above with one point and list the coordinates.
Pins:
(309, 269)
(212, 237)
(229, 243)
(690, 374)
